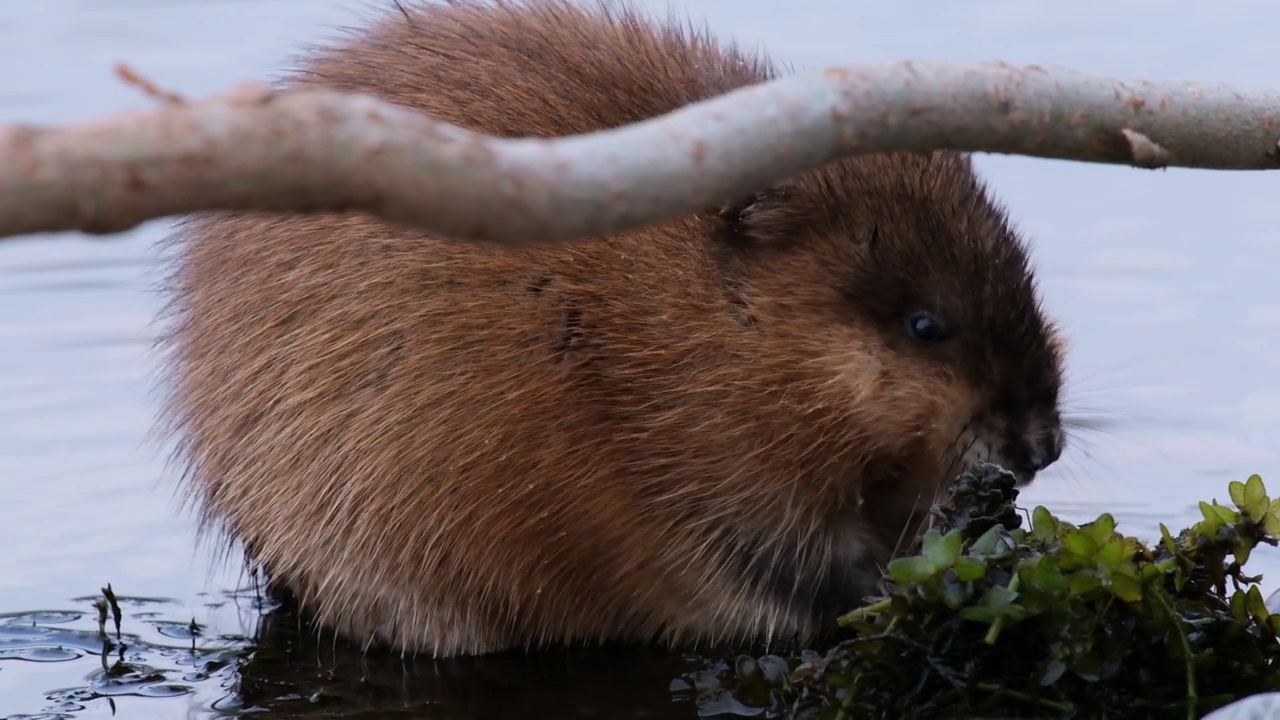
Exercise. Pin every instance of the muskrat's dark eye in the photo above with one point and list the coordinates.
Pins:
(927, 328)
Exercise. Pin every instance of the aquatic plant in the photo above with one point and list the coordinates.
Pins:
(990, 618)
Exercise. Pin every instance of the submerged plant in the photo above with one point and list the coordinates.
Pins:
(994, 619)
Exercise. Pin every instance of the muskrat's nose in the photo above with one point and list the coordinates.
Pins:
(1047, 448)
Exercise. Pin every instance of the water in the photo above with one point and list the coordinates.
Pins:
(1163, 280)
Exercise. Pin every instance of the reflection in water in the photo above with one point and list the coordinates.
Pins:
(1163, 281)
(290, 671)
(113, 673)
(307, 676)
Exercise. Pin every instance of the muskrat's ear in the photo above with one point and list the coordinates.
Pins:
(751, 217)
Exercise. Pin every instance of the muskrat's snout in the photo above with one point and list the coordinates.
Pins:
(1047, 448)
(1034, 446)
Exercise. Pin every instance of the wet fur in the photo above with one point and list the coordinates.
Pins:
(713, 429)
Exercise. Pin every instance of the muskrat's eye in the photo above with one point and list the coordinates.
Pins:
(927, 328)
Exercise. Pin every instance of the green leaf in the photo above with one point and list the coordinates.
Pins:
(1222, 515)
(1083, 582)
(1236, 489)
(969, 569)
(909, 570)
(1013, 613)
(941, 550)
(1080, 544)
(1112, 552)
(978, 613)
(1256, 501)
(1126, 588)
(1148, 574)
(1271, 522)
(1169, 543)
(1128, 570)
(1238, 609)
(1208, 528)
(1044, 525)
(998, 597)
(1254, 491)
(1043, 575)
(1257, 605)
(1052, 671)
(1243, 548)
(1101, 530)
(992, 544)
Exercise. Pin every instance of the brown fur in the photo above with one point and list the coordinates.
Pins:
(716, 428)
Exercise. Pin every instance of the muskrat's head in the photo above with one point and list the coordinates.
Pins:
(900, 279)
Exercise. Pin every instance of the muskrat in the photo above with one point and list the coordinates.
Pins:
(713, 429)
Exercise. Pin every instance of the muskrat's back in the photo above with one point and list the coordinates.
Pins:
(457, 448)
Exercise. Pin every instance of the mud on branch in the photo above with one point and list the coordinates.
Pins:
(255, 148)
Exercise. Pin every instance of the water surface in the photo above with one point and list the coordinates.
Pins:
(1163, 280)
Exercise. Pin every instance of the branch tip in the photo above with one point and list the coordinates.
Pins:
(148, 88)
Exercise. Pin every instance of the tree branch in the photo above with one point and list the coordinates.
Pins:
(312, 150)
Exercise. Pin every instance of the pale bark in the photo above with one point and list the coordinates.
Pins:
(308, 150)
